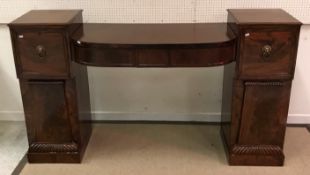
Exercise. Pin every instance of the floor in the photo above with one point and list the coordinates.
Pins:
(166, 149)
(13, 145)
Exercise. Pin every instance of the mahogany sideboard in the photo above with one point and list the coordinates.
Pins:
(257, 47)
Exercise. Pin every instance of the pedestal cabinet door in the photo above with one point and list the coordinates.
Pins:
(264, 113)
(46, 112)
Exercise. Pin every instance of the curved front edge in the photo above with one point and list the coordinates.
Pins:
(217, 51)
(155, 56)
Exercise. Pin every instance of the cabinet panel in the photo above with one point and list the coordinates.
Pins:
(264, 113)
(46, 112)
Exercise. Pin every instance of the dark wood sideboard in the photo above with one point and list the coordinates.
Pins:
(257, 47)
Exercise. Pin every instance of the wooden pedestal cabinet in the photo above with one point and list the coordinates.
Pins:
(255, 109)
(54, 89)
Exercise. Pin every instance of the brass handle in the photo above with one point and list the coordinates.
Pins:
(266, 51)
(41, 51)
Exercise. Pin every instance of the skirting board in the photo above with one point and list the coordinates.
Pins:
(202, 117)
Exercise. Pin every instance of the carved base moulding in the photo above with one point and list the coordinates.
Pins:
(53, 148)
(256, 149)
(252, 154)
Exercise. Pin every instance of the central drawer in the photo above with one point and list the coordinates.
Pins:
(201, 57)
(106, 57)
(153, 57)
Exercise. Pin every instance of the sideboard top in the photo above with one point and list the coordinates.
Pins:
(47, 17)
(262, 16)
(191, 33)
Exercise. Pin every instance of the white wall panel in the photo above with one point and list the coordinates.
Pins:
(152, 11)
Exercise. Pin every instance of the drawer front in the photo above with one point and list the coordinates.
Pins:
(268, 55)
(153, 58)
(105, 56)
(202, 57)
(42, 54)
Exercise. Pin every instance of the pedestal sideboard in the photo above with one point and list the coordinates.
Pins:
(257, 47)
